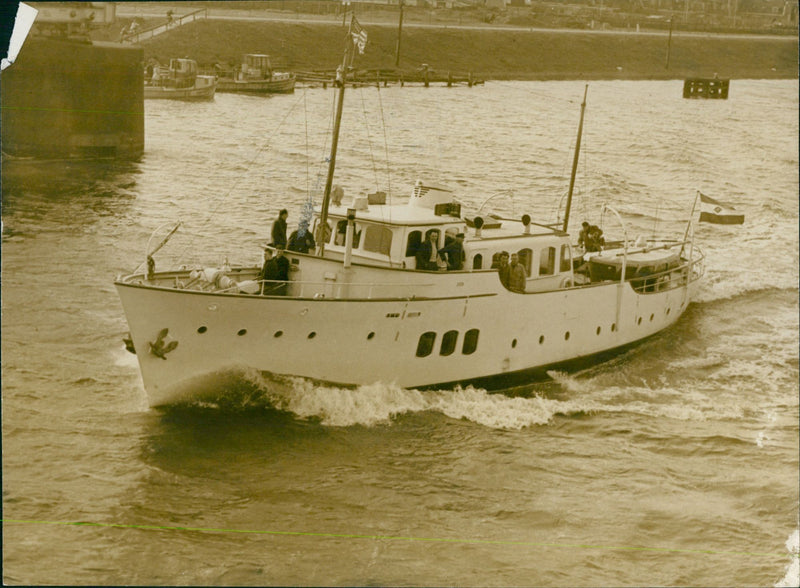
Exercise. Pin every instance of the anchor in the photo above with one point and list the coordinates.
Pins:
(129, 344)
(159, 349)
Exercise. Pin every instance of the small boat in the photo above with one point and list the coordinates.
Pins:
(256, 76)
(374, 301)
(179, 81)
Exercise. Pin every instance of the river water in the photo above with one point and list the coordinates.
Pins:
(675, 463)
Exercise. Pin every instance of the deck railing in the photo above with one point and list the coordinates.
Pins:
(151, 32)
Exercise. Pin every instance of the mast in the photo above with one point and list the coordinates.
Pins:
(323, 216)
(575, 160)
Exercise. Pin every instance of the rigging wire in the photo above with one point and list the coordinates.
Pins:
(222, 199)
(369, 139)
(385, 145)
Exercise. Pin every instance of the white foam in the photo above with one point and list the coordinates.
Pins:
(791, 577)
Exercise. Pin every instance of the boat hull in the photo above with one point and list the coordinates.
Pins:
(198, 92)
(284, 86)
(490, 339)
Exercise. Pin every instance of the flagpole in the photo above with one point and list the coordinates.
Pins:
(575, 160)
(689, 224)
(323, 216)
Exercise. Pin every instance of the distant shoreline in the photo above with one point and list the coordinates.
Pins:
(489, 54)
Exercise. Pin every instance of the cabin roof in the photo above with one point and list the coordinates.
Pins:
(411, 216)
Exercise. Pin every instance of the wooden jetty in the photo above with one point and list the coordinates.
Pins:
(706, 88)
(372, 77)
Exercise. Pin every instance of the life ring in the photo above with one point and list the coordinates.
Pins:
(567, 282)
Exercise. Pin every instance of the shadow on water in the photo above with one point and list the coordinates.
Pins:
(77, 191)
(239, 423)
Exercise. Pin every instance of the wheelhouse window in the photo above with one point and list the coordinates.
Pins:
(378, 239)
(425, 344)
(414, 240)
(526, 259)
(547, 261)
(566, 259)
(341, 233)
(448, 343)
(470, 342)
(496, 259)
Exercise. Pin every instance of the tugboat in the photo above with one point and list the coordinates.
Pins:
(179, 81)
(256, 76)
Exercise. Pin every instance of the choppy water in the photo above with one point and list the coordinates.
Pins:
(674, 464)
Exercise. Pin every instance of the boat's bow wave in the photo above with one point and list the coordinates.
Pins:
(381, 404)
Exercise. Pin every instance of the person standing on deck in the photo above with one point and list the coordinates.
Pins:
(262, 275)
(517, 275)
(428, 253)
(453, 253)
(279, 229)
(504, 270)
(583, 236)
(276, 272)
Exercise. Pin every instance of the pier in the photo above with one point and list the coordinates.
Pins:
(385, 76)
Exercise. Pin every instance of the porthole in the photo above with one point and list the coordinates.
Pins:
(598, 330)
(371, 335)
(242, 332)
(613, 327)
(668, 311)
(541, 339)
(566, 336)
(513, 344)
(448, 343)
(639, 321)
(202, 329)
(652, 316)
(312, 334)
(425, 344)
(278, 334)
(470, 342)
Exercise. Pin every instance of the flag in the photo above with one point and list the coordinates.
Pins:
(721, 213)
(359, 35)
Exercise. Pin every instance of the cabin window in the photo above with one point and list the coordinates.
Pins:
(448, 343)
(378, 239)
(341, 233)
(477, 261)
(496, 260)
(547, 261)
(470, 342)
(425, 345)
(566, 260)
(525, 259)
(414, 240)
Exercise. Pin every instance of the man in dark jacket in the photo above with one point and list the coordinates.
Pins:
(428, 253)
(279, 229)
(453, 253)
(276, 272)
(301, 243)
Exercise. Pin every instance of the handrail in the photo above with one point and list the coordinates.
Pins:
(154, 30)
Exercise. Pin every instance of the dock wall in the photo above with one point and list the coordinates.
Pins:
(72, 99)
(490, 53)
